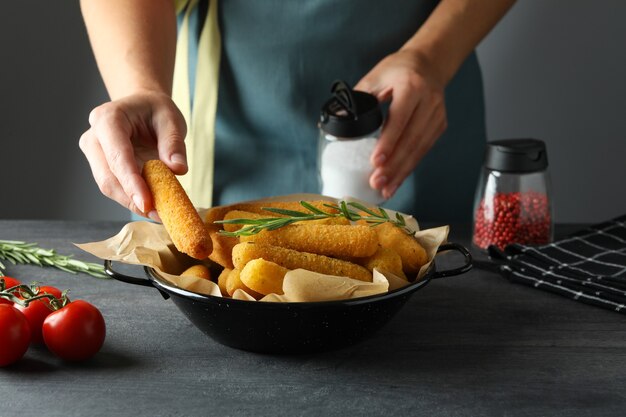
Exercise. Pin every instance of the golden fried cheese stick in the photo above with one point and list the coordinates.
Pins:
(291, 259)
(385, 260)
(222, 253)
(339, 241)
(222, 279)
(219, 212)
(180, 218)
(198, 271)
(241, 214)
(263, 276)
(411, 252)
(329, 220)
(233, 283)
(222, 245)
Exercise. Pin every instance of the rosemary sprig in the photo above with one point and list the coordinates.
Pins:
(350, 210)
(18, 252)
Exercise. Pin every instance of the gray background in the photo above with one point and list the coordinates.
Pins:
(553, 70)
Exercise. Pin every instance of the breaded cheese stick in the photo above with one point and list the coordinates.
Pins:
(241, 214)
(180, 218)
(291, 259)
(329, 220)
(263, 276)
(198, 271)
(222, 279)
(219, 212)
(385, 260)
(222, 253)
(339, 241)
(411, 252)
(233, 283)
(222, 245)
(290, 205)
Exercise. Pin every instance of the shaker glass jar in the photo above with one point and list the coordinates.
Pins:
(512, 203)
(349, 125)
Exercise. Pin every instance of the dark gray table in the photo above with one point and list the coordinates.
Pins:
(463, 346)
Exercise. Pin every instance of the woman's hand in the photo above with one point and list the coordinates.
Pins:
(125, 133)
(416, 118)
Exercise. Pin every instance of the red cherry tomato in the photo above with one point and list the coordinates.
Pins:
(14, 335)
(75, 332)
(37, 311)
(8, 283)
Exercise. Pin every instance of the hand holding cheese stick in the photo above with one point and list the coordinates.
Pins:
(180, 218)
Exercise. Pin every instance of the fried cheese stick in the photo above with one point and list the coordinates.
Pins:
(411, 252)
(241, 214)
(233, 283)
(339, 241)
(180, 218)
(291, 259)
(222, 253)
(263, 276)
(222, 279)
(219, 212)
(197, 271)
(223, 245)
(385, 260)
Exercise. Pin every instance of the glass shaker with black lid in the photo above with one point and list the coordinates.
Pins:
(349, 126)
(513, 203)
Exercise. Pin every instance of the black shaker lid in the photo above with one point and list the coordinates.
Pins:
(516, 155)
(350, 113)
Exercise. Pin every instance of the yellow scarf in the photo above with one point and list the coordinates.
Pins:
(200, 141)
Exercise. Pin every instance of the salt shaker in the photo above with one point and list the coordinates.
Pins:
(512, 203)
(349, 125)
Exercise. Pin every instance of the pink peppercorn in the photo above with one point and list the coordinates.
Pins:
(516, 217)
(512, 199)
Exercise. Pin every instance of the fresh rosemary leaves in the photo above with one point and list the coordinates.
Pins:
(350, 210)
(18, 252)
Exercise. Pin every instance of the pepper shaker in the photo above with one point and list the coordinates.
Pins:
(349, 127)
(512, 203)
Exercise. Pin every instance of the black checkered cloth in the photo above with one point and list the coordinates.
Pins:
(588, 266)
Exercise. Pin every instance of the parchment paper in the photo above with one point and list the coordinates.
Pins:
(148, 244)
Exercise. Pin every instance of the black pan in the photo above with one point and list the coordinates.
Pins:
(272, 327)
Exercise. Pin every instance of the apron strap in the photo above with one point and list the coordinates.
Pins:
(200, 140)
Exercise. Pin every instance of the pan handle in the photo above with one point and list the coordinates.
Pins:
(108, 269)
(456, 271)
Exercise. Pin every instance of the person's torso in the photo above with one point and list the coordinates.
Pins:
(279, 59)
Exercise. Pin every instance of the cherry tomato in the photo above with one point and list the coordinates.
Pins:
(14, 334)
(8, 283)
(37, 311)
(75, 332)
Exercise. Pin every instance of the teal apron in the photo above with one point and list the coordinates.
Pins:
(278, 61)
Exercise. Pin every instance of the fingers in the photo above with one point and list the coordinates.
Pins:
(426, 127)
(402, 106)
(406, 165)
(170, 128)
(114, 131)
(126, 133)
(106, 180)
(415, 120)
